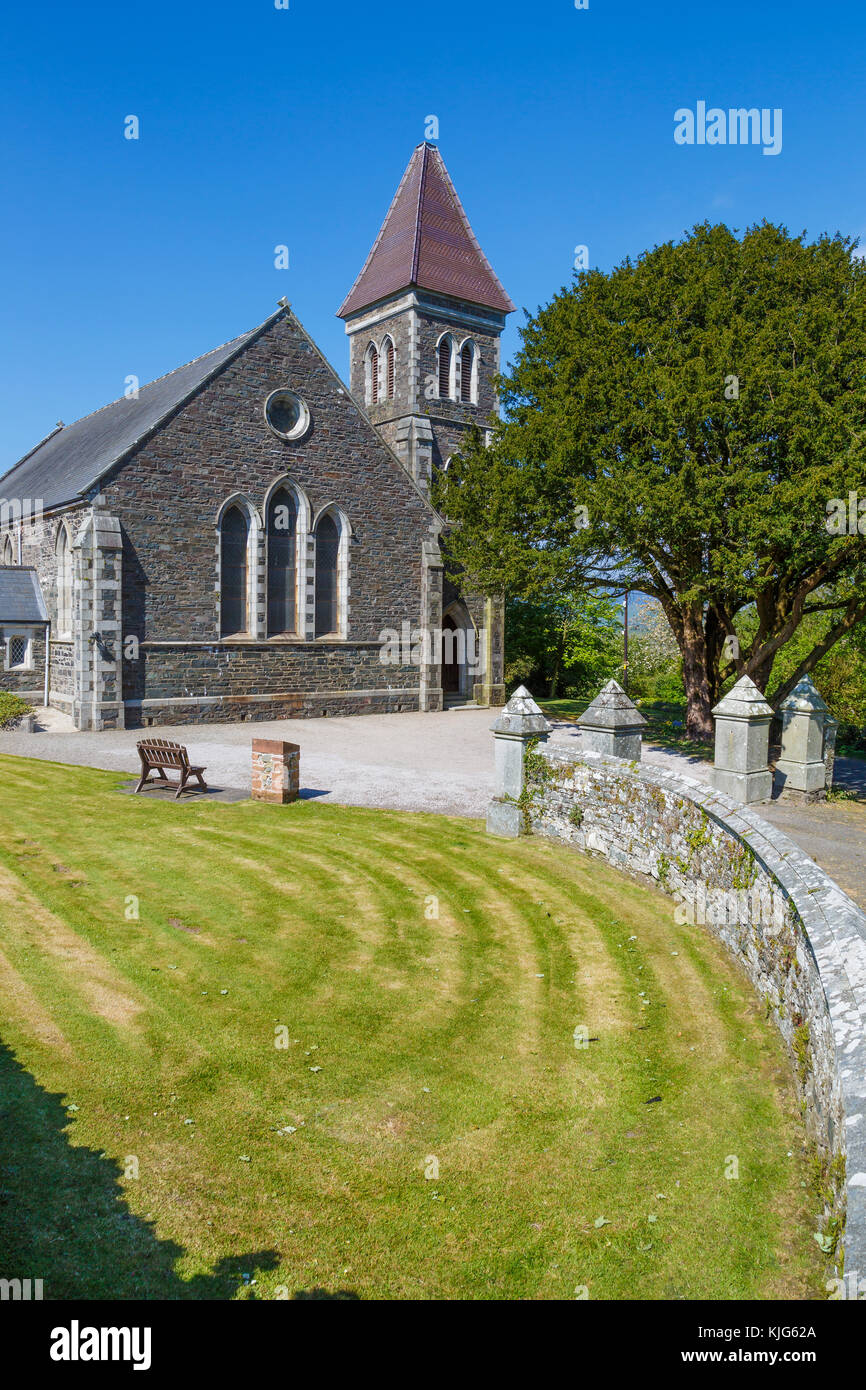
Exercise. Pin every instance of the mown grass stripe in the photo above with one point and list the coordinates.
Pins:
(534, 1139)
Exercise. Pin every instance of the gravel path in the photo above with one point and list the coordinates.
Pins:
(429, 762)
(408, 762)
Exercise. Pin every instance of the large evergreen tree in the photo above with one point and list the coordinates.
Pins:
(679, 427)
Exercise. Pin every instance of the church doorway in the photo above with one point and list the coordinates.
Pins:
(450, 662)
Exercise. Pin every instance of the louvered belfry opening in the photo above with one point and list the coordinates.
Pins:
(374, 376)
(390, 369)
(466, 361)
(327, 582)
(282, 567)
(445, 369)
(234, 544)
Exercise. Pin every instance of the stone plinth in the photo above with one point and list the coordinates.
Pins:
(612, 725)
(520, 722)
(276, 770)
(741, 767)
(800, 767)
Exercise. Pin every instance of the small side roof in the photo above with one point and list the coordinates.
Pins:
(21, 598)
(72, 459)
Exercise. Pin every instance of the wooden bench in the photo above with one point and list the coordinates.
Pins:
(157, 754)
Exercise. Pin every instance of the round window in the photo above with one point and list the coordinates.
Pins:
(287, 415)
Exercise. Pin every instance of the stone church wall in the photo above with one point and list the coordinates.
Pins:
(39, 542)
(167, 498)
(62, 675)
(28, 684)
(230, 680)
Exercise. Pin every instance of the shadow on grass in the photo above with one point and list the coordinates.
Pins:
(325, 1296)
(64, 1219)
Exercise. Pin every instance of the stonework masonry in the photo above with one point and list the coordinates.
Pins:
(28, 684)
(276, 771)
(416, 412)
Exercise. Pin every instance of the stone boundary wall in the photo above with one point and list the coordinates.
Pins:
(799, 938)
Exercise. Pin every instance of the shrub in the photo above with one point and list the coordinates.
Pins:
(851, 738)
(12, 709)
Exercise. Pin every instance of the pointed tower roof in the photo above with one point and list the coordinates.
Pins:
(426, 241)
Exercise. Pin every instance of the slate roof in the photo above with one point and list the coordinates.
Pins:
(72, 459)
(426, 242)
(21, 598)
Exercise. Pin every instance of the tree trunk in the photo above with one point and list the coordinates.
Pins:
(557, 666)
(761, 675)
(699, 703)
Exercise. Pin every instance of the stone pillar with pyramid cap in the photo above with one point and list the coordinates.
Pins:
(612, 724)
(800, 768)
(520, 722)
(741, 767)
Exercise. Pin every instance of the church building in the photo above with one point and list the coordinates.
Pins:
(232, 540)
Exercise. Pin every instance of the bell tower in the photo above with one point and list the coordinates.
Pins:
(424, 318)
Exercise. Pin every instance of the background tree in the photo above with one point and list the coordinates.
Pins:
(704, 404)
(563, 647)
(654, 665)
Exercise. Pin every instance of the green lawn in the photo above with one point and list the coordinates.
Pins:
(156, 1142)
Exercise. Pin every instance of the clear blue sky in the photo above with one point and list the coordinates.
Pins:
(262, 126)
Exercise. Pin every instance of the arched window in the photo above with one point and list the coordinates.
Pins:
(372, 375)
(389, 368)
(445, 351)
(327, 576)
(468, 391)
(234, 548)
(8, 553)
(63, 554)
(282, 563)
